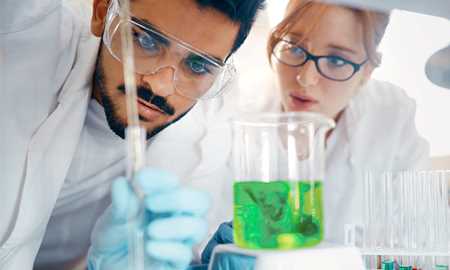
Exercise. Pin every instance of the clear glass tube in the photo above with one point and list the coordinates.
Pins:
(409, 212)
(135, 139)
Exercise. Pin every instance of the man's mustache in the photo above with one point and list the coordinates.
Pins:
(147, 95)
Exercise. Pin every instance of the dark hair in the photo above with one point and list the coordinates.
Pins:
(240, 11)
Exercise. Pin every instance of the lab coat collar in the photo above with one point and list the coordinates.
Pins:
(206, 127)
(215, 144)
(349, 120)
(353, 116)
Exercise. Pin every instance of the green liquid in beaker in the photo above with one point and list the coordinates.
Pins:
(278, 214)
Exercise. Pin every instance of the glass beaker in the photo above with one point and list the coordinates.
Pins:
(278, 164)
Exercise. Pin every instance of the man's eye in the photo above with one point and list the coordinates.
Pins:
(335, 61)
(146, 42)
(197, 67)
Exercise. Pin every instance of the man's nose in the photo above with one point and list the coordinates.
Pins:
(162, 81)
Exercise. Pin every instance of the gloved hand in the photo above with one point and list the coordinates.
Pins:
(173, 221)
(223, 235)
(225, 260)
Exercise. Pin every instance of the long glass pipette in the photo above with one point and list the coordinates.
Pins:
(135, 139)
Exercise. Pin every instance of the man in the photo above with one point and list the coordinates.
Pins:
(54, 160)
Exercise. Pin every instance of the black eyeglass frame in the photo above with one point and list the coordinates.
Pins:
(316, 58)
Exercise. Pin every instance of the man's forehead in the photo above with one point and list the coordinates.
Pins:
(205, 29)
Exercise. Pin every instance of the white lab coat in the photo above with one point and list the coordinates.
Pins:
(55, 158)
(377, 133)
(43, 106)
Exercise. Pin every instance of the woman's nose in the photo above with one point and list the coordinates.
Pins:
(308, 74)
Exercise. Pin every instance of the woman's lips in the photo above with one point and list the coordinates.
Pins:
(302, 102)
(149, 111)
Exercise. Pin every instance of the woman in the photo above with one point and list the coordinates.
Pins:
(323, 57)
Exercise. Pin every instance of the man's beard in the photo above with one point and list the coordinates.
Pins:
(145, 93)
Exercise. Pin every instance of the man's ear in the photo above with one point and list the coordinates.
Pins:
(100, 8)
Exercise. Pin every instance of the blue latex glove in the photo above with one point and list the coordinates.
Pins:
(173, 223)
(223, 235)
(198, 267)
(233, 261)
(226, 261)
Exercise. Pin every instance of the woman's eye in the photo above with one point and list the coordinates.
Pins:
(297, 51)
(336, 61)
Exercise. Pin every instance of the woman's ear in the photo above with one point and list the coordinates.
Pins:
(100, 8)
(368, 69)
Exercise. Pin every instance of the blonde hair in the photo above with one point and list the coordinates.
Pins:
(374, 25)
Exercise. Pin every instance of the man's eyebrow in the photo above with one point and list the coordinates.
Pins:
(147, 25)
(207, 57)
(216, 59)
